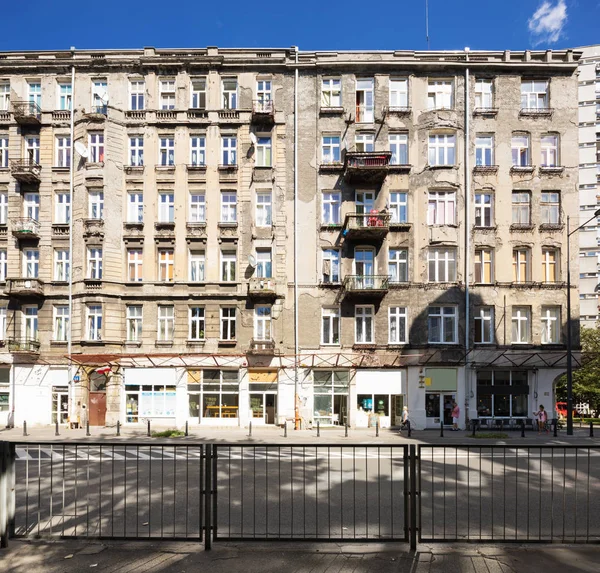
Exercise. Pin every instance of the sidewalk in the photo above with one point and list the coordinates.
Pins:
(75, 556)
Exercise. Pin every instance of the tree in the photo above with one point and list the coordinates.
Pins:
(586, 379)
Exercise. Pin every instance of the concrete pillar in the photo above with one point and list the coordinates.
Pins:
(114, 387)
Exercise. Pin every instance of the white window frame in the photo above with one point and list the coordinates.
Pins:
(264, 91)
(99, 89)
(136, 151)
(4, 96)
(550, 146)
(165, 331)
(34, 93)
(521, 325)
(166, 207)
(62, 265)
(134, 319)
(443, 262)
(364, 142)
(437, 317)
(31, 263)
(3, 207)
(398, 93)
(521, 265)
(62, 207)
(330, 149)
(166, 151)
(135, 207)
(198, 93)
(197, 207)
(264, 152)
(398, 148)
(137, 94)
(521, 208)
(94, 322)
(550, 208)
(3, 322)
(94, 263)
(264, 209)
(3, 264)
(228, 266)
(196, 323)
(263, 325)
(398, 265)
(64, 95)
(60, 321)
(197, 266)
(442, 149)
(550, 265)
(484, 93)
(331, 211)
(166, 93)
(364, 324)
(3, 152)
(520, 149)
(228, 206)
(484, 209)
(229, 96)
(484, 150)
(333, 265)
(535, 94)
(484, 259)
(483, 323)
(198, 150)
(330, 326)
(30, 322)
(440, 94)
(441, 208)
(96, 146)
(228, 323)
(365, 111)
(398, 206)
(31, 206)
(550, 322)
(63, 151)
(264, 263)
(166, 265)
(229, 149)
(331, 92)
(32, 148)
(135, 265)
(397, 325)
(96, 204)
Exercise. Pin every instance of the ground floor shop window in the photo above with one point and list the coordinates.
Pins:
(4, 397)
(330, 396)
(263, 395)
(502, 394)
(213, 394)
(149, 401)
(60, 404)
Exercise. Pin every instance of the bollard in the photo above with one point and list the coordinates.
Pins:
(187, 433)
(591, 429)
(377, 427)
(474, 424)
(318, 428)
(56, 432)
(87, 428)
(285, 429)
(148, 428)
(555, 424)
(441, 429)
(250, 429)
(118, 428)
(522, 428)
(346, 426)
(409, 428)
(24, 427)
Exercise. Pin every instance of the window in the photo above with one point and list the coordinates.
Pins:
(364, 142)
(398, 325)
(3, 152)
(550, 207)
(4, 96)
(521, 208)
(197, 260)
(166, 323)
(166, 207)
(442, 149)
(167, 94)
(521, 319)
(30, 322)
(99, 96)
(483, 209)
(331, 266)
(2, 337)
(550, 269)
(65, 92)
(96, 146)
(62, 265)
(330, 325)
(3, 265)
(264, 209)
(166, 264)
(94, 263)
(228, 264)
(228, 319)
(484, 269)
(399, 148)
(229, 93)
(197, 325)
(229, 150)
(439, 94)
(263, 152)
(442, 265)
(95, 204)
(61, 323)
(63, 151)
(137, 89)
(550, 157)
(262, 323)
(363, 324)
(135, 265)
(484, 98)
(31, 206)
(34, 94)
(133, 319)
(442, 324)
(484, 150)
(62, 208)
(364, 267)
(534, 94)
(520, 151)
(197, 208)
(331, 90)
(32, 148)
(135, 207)
(331, 208)
(3, 207)
(365, 106)
(228, 207)
(551, 325)
(263, 91)
(398, 207)
(263, 263)
(31, 261)
(198, 151)
(198, 91)
(136, 151)
(484, 325)
(330, 149)
(521, 273)
(399, 92)
(166, 151)
(442, 207)
(398, 265)
(94, 322)
(502, 393)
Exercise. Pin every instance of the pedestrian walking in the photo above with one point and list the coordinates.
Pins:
(542, 419)
(455, 416)
(405, 421)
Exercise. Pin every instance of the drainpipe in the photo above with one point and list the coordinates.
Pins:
(296, 382)
(467, 231)
(72, 411)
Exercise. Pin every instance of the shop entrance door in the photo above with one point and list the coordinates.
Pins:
(396, 414)
(263, 406)
(97, 408)
(438, 408)
(60, 404)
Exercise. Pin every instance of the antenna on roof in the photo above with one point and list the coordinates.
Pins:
(427, 22)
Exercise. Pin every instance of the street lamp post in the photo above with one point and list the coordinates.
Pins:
(569, 339)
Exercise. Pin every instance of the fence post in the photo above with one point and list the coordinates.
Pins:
(87, 428)
(56, 432)
(442, 429)
(285, 429)
(474, 424)
(187, 433)
(555, 424)
(250, 429)
(377, 427)
(591, 429)
(4, 494)
(522, 428)
(318, 428)
(24, 427)
(208, 498)
(412, 504)
(346, 426)
(149, 428)
(409, 428)
(118, 428)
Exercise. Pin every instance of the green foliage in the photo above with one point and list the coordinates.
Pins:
(491, 436)
(586, 380)
(168, 434)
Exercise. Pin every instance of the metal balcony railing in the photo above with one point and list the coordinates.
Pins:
(23, 345)
(263, 106)
(25, 227)
(258, 286)
(362, 283)
(26, 112)
(368, 221)
(366, 165)
(26, 170)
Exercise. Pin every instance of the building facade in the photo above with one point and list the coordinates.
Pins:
(232, 235)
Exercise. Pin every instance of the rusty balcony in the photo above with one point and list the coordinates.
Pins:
(24, 345)
(366, 166)
(24, 287)
(26, 170)
(25, 228)
(358, 226)
(259, 287)
(263, 111)
(372, 286)
(26, 112)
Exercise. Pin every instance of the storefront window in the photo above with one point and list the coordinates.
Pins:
(377, 403)
(4, 393)
(330, 396)
(220, 393)
(502, 393)
(149, 401)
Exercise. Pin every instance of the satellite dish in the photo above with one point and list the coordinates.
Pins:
(252, 261)
(81, 149)
(253, 138)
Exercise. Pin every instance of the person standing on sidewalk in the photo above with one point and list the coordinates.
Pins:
(405, 421)
(455, 416)
(542, 419)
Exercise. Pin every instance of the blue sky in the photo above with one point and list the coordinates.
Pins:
(310, 24)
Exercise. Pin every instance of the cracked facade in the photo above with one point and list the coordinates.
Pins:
(423, 252)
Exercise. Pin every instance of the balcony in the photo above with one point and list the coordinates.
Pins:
(373, 226)
(25, 228)
(366, 166)
(373, 286)
(259, 287)
(259, 346)
(23, 345)
(97, 113)
(24, 287)
(61, 115)
(26, 170)
(263, 111)
(536, 112)
(27, 113)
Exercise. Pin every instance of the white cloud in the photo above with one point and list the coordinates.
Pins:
(546, 24)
